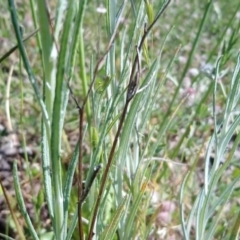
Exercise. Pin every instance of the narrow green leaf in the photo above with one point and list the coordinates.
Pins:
(133, 212)
(21, 203)
(111, 228)
(150, 14)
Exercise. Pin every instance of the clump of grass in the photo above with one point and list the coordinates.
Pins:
(59, 45)
(208, 210)
(122, 86)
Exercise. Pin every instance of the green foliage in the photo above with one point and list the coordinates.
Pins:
(141, 138)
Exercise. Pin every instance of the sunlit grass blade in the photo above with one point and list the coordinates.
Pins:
(21, 203)
(48, 60)
(6, 237)
(46, 167)
(72, 225)
(134, 208)
(68, 184)
(235, 230)
(59, 108)
(141, 98)
(182, 214)
(110, 230)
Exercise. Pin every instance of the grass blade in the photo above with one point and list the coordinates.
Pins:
(21, 203)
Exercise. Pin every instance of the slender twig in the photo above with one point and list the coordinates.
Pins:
(86, 189)
(9, 52)
(105, 175)
(132, 89)
(146, 31)
(82, 193)
(80, 170)
(80, 186)
(133, 84)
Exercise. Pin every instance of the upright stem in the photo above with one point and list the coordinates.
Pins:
(80, 227)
